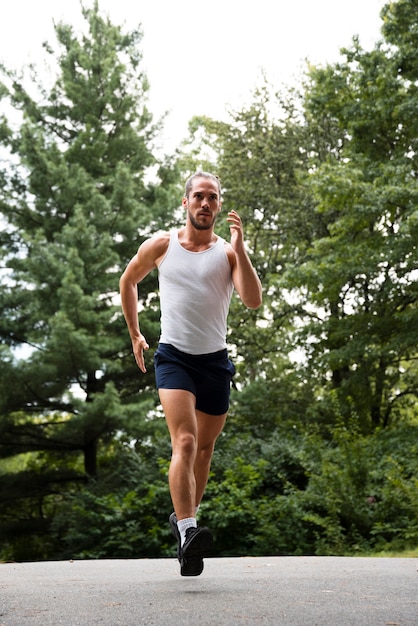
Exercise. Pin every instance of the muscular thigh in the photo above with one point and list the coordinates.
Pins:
(179, 410)
(182, 417)
(209, 428)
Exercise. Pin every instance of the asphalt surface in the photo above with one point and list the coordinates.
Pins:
(292, 591)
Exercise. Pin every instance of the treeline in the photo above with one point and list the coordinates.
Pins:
(319, 453)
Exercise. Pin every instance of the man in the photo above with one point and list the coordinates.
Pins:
(198, 271)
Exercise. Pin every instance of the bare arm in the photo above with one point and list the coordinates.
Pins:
(146, 259)
(244, 276)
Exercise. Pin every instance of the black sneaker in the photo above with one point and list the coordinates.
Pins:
(175, 531)
(198, 544)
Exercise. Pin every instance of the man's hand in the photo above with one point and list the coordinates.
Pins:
(237, 232)
(139, 344)
(244, 276)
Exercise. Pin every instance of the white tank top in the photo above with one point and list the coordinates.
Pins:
(195, 294)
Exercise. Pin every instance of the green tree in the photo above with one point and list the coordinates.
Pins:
(75, 205)
(327, 188)
(361, 273)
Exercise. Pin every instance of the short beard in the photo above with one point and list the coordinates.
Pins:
(198, 226)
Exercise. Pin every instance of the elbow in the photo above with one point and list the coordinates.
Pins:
(254, 301)
(124, 286)
(124, 281)
(251, 295)
(258, 297)
(255, 304)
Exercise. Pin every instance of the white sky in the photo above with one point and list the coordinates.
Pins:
(201, 57)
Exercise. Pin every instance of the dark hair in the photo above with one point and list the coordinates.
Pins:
(200, 174)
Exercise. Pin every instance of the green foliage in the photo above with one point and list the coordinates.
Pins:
(125, 524)
(319, 453)
(360, 272)
(73, 202)
(302, 495)
(72, 208)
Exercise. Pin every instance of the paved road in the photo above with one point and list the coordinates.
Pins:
(279, 591)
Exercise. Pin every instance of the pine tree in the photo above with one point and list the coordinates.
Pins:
(75, 206)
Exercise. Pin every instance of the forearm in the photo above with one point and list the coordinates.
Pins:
(139, 267)
(247, 281)
(129, 302)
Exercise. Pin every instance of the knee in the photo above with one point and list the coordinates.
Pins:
(205, 452)
(185, 444)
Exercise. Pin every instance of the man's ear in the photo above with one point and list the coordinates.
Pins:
(185, 203)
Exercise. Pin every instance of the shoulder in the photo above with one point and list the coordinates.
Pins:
(155, 247)
(151, 251)
(149, 254)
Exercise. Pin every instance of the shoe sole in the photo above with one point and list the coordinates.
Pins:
(191, 563)
(200, 546)
(191, 567)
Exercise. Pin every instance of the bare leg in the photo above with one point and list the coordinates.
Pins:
(209, 427)
(193, 436)
(179, 409)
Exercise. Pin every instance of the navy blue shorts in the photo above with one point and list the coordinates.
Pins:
(207, 376)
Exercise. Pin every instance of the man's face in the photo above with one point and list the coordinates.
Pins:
(203, 203)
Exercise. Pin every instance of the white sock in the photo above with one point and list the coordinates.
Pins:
(183, 525)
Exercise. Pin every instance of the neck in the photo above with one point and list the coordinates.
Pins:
(195, 239)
